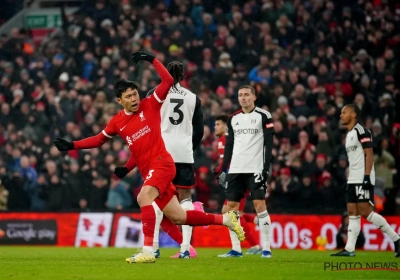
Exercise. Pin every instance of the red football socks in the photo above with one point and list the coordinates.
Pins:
(198, 218)
(148, 223)
(249, 236)
(171, 229)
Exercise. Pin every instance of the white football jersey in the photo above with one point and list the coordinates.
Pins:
(357, 140)
(177, 123)
(246, 131)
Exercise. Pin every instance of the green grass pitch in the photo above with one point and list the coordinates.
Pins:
(109, 263)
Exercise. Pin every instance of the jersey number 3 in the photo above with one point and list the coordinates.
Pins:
(179, 103)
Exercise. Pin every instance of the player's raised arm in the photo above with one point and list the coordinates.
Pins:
(198, 125)
(167, 81)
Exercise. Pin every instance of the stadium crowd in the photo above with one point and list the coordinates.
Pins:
(306, 60)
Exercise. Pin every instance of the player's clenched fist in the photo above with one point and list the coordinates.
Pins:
(142, 55)
(121, 172)
(63, 145)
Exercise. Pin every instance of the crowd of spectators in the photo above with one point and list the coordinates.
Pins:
(306, 60)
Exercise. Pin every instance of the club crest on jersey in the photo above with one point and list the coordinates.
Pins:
(253, 121)
(141, 115)
(237, 123)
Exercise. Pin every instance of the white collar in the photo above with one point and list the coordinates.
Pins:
(127, 113)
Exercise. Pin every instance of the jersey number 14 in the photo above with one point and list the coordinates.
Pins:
(179, 103)
(361, 193)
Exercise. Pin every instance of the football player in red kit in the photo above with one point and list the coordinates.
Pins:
(220, 129)
(139, 125)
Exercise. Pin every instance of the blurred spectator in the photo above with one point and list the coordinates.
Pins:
(3, 197)
(118, 196)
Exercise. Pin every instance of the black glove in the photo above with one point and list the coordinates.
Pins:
(142, 55)
(265, 174)
(367, 185)
(121, 172)
(63, 145)
(222, 180)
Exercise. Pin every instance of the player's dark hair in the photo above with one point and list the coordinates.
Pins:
(356, 110)
(122, 85)
(222, 118)
(175, 68)
(253, 91)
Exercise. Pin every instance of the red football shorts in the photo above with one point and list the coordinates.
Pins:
(242, 201)
(160, 176)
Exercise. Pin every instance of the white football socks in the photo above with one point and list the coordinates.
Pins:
(159, 217)
(264, 221)
(186, 230)
(383, 225)
(353, 231)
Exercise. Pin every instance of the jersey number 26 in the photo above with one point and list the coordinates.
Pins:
(179, 103)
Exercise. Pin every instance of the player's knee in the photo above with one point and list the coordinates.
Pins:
(184, 194)
(352, 209)
(178, 218)
(364, 210)
(259, 205)
(147, 195)
(231, 205)
(225, 209)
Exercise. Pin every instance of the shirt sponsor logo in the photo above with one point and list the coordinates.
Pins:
(245, 131)
(140, 133)
(351, 149)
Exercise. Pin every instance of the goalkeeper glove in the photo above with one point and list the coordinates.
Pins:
(121, 172)
(63, 145)
(142, 55)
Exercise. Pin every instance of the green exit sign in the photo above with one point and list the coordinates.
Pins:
(43, 21)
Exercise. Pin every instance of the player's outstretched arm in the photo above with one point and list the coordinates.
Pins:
(87, 143)
(228, 146)
(198, 125)
(91, 142)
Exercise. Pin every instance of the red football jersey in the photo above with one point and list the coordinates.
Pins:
(141, 132)
(221, 150)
